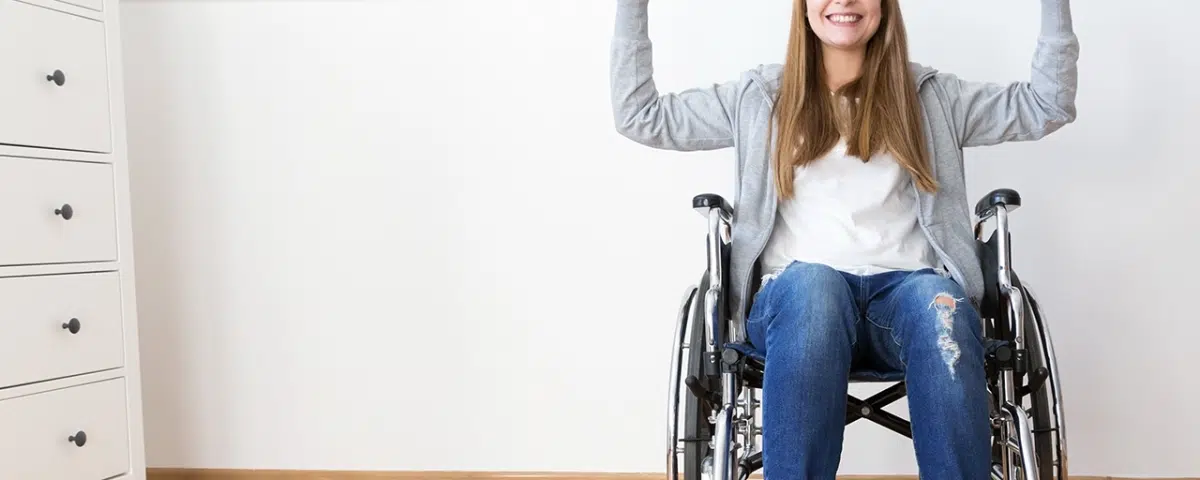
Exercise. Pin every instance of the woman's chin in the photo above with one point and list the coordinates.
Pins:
(845, 44)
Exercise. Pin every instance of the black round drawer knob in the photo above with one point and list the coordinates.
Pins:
(78, 439)
(66, 211)
(72, 326)
(58, 77)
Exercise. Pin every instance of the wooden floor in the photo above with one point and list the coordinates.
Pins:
(197, 474)
(202, 474)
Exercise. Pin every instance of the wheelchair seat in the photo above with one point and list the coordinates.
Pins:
(756, 363)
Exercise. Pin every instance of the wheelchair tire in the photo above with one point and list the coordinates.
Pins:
(1045, 403)
(698, 430)
(695, 431)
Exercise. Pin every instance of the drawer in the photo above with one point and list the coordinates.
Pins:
(55, 211)
(78, 433)
(55, 326)
(42, 46)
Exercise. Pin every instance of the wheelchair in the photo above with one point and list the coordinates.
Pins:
(715, 377)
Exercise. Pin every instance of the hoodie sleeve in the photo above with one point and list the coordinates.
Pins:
(693, 119)
(991, 113)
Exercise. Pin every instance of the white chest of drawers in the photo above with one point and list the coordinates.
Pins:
(70, 387)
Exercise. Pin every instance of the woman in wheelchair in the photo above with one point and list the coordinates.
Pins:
(852, 254)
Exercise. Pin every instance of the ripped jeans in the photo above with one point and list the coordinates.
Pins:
(815, 324)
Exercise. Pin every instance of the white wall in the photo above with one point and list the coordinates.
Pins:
(403, 235)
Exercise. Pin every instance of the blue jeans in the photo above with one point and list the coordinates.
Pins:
(815, 324)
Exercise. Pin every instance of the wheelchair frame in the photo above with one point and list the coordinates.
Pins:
(712, 416)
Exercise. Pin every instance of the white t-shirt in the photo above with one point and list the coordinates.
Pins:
(860, 218)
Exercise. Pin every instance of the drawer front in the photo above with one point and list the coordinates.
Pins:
(41, 47)
(55, 326)
(55, 211)
(41, 439)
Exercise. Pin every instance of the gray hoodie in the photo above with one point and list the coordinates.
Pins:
(737, 114)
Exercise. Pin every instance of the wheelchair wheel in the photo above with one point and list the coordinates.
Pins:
(689, 448)
(1044, 403)
(1039, 398)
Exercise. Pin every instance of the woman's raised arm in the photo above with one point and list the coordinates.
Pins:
(693, 119)
(992, 113)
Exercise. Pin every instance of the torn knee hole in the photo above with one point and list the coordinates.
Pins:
(946, 301)
(946, 305)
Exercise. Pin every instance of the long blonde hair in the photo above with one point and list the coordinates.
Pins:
(885, 115)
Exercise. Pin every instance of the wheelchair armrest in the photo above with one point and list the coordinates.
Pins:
(1001, 196)
(708, 201)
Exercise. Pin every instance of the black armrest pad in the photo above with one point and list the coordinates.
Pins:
(1000, 196)
(711, 200)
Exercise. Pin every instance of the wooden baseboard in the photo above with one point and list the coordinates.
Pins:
(223, 474)
(220, 474)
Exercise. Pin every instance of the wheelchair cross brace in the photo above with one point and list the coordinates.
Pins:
(872, 409)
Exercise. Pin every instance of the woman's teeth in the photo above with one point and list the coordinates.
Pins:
(845, 19)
